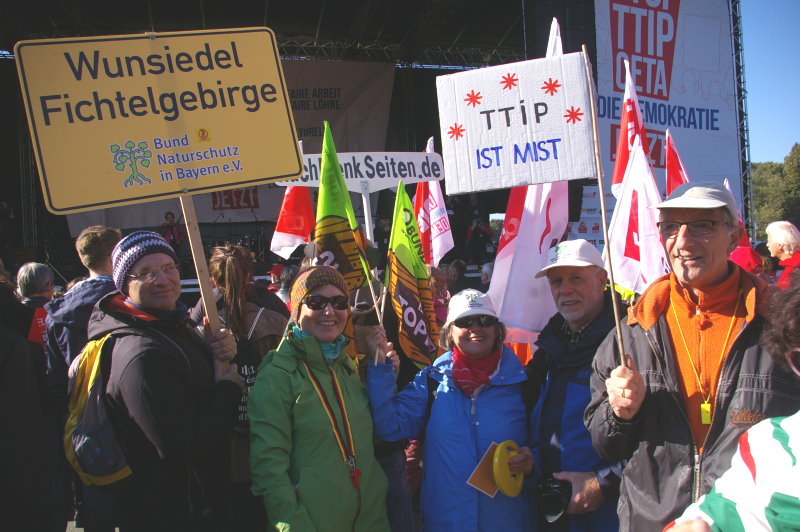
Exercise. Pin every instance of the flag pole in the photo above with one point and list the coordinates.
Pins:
(599, 165)
(371, 237)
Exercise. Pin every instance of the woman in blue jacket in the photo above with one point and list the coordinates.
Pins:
(478, 400)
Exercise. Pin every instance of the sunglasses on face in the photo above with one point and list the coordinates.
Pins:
(482, 321)
(320, 302)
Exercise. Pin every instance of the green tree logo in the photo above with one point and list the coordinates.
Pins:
(132, 155)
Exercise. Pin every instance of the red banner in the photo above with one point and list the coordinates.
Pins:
(643, 32)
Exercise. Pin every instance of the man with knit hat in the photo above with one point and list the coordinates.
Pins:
(172, 396)
(563, 362)
(694, 377)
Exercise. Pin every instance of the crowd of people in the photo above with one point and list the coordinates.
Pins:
(678, 411)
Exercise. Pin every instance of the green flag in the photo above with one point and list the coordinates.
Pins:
(409, 286)
(336, 235)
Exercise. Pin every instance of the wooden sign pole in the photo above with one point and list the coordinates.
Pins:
(199, 259)
(615, 303)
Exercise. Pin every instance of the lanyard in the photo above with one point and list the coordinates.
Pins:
(705, 408)
(345, 447)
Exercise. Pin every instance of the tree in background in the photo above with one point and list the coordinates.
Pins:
(776, 191)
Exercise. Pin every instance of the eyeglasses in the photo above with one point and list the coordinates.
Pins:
(483, 321)
(320, 302)
(699, 228)
(151, 275)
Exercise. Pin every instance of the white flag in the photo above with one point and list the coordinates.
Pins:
(435, 234)
(637, 255)
(631, 126)
(523, 303)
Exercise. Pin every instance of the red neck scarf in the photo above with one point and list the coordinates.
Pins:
(469, 374)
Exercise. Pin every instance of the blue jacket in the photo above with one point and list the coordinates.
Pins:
(67, 320)
(561, 441)
(459, 432)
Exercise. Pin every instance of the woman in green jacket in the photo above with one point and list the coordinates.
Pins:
(311, 456)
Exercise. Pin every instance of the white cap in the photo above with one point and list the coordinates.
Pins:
(701, 196)
(572, 253)
(469, 302)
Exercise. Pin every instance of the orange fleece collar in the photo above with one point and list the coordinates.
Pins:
(655, 300)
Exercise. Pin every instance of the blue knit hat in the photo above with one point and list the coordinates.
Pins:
(132, 248)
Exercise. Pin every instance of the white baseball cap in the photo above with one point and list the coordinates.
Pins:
(469, 302)
(572, 253)
(701, 196)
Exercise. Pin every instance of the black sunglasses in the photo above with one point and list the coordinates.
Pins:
(483, 321)
(319, 302)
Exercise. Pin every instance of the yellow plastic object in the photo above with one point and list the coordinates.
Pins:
(509, 483)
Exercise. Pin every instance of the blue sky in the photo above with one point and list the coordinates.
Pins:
(772, 76)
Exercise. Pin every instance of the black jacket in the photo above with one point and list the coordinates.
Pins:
(24, 488)
(170, 417)
(664, 474)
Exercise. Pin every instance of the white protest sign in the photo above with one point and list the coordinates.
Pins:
(516, 124)
(375, 170)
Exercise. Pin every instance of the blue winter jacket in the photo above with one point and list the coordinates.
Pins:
(67, 320)
(561, 441)
(459, 432)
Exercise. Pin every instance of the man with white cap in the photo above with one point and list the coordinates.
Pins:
(695, 377)
(563, 361)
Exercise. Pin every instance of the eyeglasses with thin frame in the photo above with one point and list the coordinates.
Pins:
(317, 302)
(482, 320)
(698, 228)
(151, 275)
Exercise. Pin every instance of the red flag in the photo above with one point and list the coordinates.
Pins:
(676, 172)
(295, 221)
(431, 214)
(631, 126)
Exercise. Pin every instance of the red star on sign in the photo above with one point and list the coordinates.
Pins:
(509, 81)
(456, 131)
(473, 98)
(551, 87)
(573, 115)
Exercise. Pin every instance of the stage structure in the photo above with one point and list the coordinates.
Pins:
(401, 47)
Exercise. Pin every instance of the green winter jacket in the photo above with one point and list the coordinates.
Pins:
(295, 462)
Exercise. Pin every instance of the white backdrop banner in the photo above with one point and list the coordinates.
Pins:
(682, 62)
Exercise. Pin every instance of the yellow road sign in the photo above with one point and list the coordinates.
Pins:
(132, 118)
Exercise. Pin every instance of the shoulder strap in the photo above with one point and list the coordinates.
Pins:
(433, 386)
(255, 320)
(105, 359)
